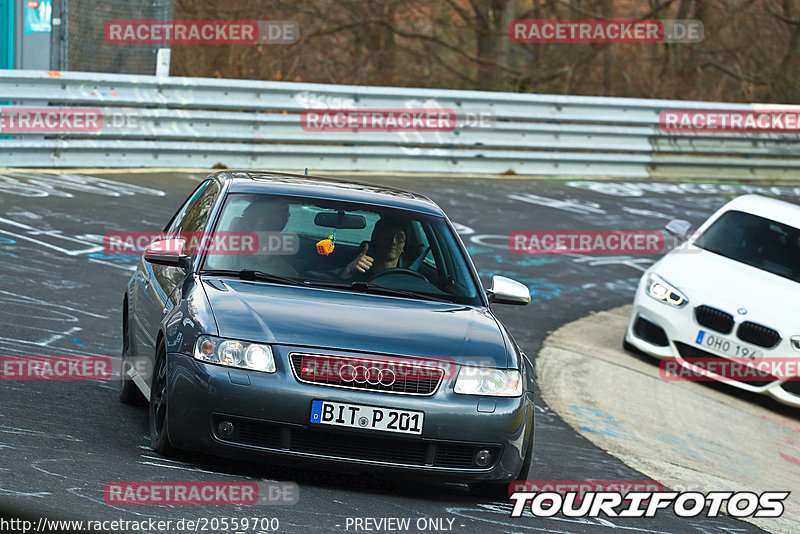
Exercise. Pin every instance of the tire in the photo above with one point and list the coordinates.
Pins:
(499, 490)
(157, 411)
(128, 392)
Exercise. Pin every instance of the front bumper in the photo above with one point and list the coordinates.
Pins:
(680, 327)
(271, 414)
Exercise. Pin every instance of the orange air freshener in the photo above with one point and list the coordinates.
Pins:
(325, 246)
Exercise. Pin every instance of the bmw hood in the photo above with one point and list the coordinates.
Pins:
(708, 278)
(353, 321)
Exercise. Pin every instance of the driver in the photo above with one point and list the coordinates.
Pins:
(385, 247)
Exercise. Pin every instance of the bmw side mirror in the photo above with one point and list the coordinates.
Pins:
(168, 252)
(507, 291)
(679, 228)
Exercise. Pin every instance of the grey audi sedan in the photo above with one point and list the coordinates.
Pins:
(321, 321)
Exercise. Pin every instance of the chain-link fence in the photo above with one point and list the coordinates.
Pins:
(82, 41)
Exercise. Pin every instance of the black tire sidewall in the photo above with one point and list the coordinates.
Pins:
(158, 441)
(128, 391)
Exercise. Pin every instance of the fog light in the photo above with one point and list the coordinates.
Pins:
(483, 458)
(225, 428)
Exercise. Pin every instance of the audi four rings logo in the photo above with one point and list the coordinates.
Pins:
(365, 373)
(362, 374)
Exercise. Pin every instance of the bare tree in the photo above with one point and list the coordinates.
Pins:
(750, 49)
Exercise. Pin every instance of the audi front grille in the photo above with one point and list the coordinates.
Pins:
(407, 377)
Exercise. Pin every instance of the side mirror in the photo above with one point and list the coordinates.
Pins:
(679, 228)
(168, 252)
(507, 291)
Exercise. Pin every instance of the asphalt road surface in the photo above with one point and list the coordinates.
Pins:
(62, 441)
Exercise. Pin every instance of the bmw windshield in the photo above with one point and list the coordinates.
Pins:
(347, 245)
(761, 243)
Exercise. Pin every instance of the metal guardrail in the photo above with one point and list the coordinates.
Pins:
(199, 122)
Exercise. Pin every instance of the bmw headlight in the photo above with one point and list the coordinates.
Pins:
(660, 289)
(490, 382)
(234, 353)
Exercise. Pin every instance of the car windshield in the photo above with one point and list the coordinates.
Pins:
(339, 244)
(756, 241)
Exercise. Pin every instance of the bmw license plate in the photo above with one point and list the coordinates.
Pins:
(369, 417)
(725, 346)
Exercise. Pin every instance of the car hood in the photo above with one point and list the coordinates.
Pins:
(352, 321)
(708, 278)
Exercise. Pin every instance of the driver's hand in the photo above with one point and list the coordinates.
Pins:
(362, 263)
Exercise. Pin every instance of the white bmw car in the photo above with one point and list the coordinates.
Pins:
(732, 290)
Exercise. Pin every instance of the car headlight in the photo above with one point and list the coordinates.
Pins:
(490, 382)
(660, 289)
(234, 353)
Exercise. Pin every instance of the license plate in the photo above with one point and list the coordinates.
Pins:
(726, 346)
(368, 417)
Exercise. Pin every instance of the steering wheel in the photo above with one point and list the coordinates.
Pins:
(397, 270)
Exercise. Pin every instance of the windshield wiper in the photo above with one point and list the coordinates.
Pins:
(369, 287)
(250, 275)
(366, 287)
